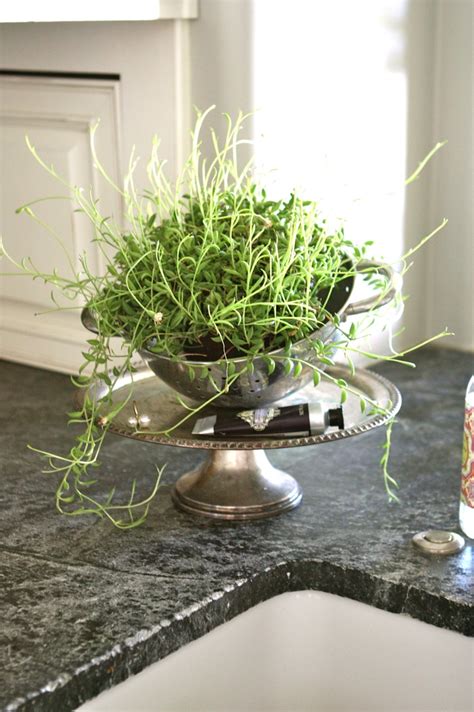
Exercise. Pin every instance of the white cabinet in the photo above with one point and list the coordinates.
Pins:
(56, 115)
(62, 78)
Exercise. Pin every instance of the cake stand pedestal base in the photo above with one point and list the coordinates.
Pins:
(237, 484)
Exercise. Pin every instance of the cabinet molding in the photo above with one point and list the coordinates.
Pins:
(57, 114)
(92, 11)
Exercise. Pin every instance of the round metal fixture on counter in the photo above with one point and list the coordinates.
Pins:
(437, 541)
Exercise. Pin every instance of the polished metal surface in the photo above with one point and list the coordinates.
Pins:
(202, 380)
(259, 388)
(169, 422)
(436, 541)
(241, 484)
(394, 283)
(237, 481)
(253, 389)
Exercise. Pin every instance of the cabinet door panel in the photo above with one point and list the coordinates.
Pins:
(57, 116)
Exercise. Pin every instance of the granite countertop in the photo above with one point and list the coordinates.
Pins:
(85, 605)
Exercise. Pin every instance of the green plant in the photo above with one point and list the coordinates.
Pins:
(209, 262)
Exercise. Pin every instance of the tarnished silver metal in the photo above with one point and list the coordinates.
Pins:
(394, 283)
(249, 390)
(172, 424)
(89, 321)
(240, 484)
(259, 388)
(437, 541)
(235, 482)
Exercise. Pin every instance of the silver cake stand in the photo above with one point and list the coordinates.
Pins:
(237, 481)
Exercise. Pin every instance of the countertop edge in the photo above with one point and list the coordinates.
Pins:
(69, 690)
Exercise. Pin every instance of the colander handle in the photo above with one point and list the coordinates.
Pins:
(88, 320)
(377, 300)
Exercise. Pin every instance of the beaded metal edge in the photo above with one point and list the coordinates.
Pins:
(363, 381)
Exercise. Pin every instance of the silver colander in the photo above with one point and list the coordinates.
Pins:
(203, 380)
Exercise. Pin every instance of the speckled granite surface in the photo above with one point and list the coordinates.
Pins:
(83, 605)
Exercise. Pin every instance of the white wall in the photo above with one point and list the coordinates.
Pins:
(221, 52)
(351, 96)
(450, 268)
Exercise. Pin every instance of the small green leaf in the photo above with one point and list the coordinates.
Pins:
(271, 365)
(298, 369)
(88, 357)
(316, 378)
(75, 414)
(327, 361)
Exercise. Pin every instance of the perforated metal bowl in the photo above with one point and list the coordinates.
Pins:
(203, 380)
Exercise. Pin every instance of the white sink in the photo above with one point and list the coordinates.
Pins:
(307, 651)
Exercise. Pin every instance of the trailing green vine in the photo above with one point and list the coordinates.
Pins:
(208, 265)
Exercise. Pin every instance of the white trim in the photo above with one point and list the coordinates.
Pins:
(19, 317)
(47, 364)
(182, 83)
(21, 82)
(93, 11)
(433, 182)
(54, 341)
(43, 357)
